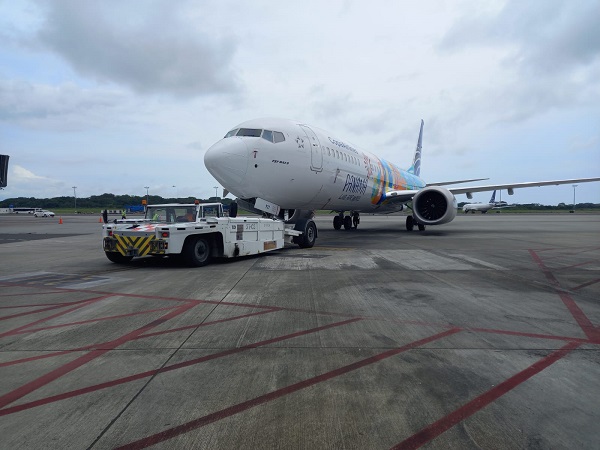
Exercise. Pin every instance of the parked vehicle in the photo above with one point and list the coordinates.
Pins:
(43, 213)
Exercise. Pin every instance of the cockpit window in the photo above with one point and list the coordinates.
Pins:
(278, 136)
(268, 135)
(251, 132)
(231, 133)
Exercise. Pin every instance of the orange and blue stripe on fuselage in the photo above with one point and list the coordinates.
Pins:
(389, 177)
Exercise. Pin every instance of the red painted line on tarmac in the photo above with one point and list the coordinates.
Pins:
(589, 283)
(99, 319)
(549, 276)
(241, 407)
(44, 356)
(26, 294)
(142, 296)
(586, 325)
(36, 305)
(577, 265)
(28, 313)
(432, 431)
(364, 317)
(81, 305)
(84, 359)
(204, 324)
(582, 320)
(149, 373)
(531, 335)
(100, 345)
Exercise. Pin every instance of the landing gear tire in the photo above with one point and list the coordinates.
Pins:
(421, 227)
(233, 209)
(337, 222)
(309, 233)
(117, 258)
(347, 222)
(355, 219)
(410, 223)
(196, 252)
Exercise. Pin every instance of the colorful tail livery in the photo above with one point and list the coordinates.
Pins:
(290, 169)
(416, 165)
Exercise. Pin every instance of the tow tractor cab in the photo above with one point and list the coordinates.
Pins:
(180, 213)
(197, 233)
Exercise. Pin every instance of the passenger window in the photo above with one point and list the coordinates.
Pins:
(250, 132)
(267, 135)
(278, 136)
(231, 133)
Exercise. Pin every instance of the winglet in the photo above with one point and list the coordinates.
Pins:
(415, 169)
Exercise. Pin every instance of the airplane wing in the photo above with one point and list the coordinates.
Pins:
(445, 183)
(511, 186)
(400, 196)
(403, 196)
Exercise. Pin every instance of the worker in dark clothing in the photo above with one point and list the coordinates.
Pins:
(105, 216)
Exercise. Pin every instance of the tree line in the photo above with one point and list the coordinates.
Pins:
(112, 201)
(108, 201)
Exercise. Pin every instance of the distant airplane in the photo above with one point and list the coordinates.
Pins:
(485, 207)
(290, 169)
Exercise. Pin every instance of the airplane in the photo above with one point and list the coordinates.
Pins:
(288, 169)
(485, 207)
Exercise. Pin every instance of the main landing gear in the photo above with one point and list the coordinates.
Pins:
(410, 224)
(347, 221)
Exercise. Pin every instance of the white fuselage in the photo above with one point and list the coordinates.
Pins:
(309, 169)
(483, 207)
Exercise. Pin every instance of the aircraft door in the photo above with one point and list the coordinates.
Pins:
(316, 153)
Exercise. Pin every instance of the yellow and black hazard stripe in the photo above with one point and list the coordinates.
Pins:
(133, 245)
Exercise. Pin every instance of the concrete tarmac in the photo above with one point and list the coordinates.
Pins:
(479, 334)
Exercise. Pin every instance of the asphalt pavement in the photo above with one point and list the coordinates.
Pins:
(479, 334)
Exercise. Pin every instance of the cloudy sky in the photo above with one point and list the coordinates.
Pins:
(113, 96)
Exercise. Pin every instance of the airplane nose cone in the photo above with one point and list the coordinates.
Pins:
(227, 161)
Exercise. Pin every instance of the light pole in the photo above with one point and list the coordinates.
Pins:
(146, 187)
(574, 187)
(216, 190)
(174, 192)
(75, 195)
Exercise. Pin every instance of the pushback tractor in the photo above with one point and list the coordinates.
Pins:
(198, 233)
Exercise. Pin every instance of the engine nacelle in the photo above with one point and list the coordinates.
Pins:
(434, 205)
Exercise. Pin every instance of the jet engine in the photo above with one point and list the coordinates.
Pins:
(434, 205)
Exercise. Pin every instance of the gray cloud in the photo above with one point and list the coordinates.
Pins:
(150, 50)
(545, 35)
(551, 53)
(63, 107)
